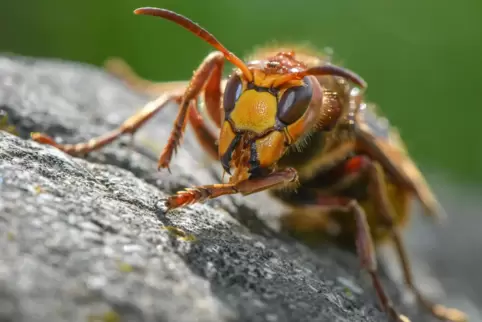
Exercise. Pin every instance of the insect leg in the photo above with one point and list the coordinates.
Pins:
(378, 189)
(368, 260)
(245, 187)
(203, 134)
(119, 68)
(130, 126)
(212, 102)
(196, 85)
(212, 93)
(327, 205)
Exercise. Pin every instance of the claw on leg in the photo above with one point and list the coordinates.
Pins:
(197, 194)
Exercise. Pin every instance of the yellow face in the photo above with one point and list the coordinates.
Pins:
(263, 120)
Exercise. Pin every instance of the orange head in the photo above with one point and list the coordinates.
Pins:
(264, 119)
(268, 105)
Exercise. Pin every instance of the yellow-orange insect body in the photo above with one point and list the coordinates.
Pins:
(288, 117)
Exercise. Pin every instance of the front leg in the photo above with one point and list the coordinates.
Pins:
(213, 62)
(245, 187)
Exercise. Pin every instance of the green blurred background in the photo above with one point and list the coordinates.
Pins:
(422, 59)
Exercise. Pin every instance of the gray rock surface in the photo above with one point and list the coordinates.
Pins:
(87, 240)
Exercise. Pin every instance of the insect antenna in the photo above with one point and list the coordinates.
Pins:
(331, 70)
(198, 31)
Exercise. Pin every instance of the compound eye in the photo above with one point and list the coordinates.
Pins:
(232, 91)
(294, 102)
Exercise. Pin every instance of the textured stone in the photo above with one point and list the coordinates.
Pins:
(87, 239)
